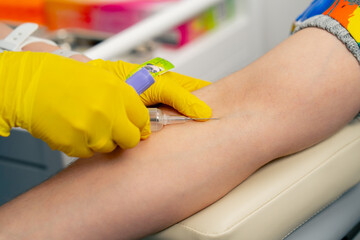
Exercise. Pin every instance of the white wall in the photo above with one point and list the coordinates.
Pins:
(278, 18)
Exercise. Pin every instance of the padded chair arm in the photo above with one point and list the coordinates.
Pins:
(280, 196)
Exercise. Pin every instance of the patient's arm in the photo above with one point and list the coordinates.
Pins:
(295, 96)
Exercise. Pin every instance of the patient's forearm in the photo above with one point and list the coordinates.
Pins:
(288, 100)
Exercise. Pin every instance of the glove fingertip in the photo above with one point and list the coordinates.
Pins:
(199, 110)
(129, 144)
(193, 107)
(126, 134)
(131, 141)
(4, 132)
(202, 83)
(84, 153)
(145, 136)
(104, 146)
(145, 132)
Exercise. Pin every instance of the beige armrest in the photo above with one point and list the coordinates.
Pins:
(281, 195)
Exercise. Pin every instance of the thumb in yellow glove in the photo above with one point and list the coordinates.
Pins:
(74, 107)
(171, 88)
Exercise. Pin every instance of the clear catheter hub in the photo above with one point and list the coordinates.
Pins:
(158, 119)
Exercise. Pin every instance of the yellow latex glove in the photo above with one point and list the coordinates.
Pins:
(171, 88)
(74, 107)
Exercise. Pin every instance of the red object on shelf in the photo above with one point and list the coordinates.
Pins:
(22, 11)
(97, 15)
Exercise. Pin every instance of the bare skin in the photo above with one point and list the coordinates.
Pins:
(300, 93)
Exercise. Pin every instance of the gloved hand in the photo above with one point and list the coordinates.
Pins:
(170, 88)
(74, 107)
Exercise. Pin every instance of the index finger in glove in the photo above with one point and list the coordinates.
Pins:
(183, 101)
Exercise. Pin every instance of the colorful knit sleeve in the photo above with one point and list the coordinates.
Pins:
(339, 17)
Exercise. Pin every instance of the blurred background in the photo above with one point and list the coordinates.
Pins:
(205, 39)
(208, 39)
